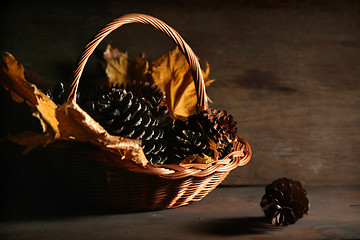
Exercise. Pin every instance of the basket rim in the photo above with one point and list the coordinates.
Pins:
(239, 157)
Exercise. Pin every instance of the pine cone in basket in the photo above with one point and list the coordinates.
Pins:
(147, 93)
(185, 141)
(218, 126)
(56, 94)
(153, 97)
(284, 202)
(122, 114)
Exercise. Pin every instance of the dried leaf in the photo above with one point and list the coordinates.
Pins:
(75, 123)
(68, 122)
(117, 66)
(121, 70)
(171, 72)
(29, 139)
(197, 159)
(12, 78)
(213, 147)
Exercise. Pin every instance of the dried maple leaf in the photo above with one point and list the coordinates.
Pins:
(67, 122)
(121, 70)
(117, 65)
(171, 72)
(13, 79)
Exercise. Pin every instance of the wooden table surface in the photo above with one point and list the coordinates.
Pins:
(226, 213)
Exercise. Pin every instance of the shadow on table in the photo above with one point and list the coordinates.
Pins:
(234, 226)
(30, 189)
(44, 204)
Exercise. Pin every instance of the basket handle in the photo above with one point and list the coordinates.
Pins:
(202, 102)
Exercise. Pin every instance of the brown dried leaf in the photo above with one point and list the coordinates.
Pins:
(12, 78)
(117, 65)
(68, 122)
(121, 70)
(197, 159)
(30, 140)
(75, 123)
(213, 147)
(171, 72)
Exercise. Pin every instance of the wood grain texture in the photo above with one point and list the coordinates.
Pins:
(295, 93)
(227, 213)
(288, 72)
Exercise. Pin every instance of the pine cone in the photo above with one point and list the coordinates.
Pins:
(284, 202)
(184, 141)
(56, 94)
(148, 93)
(153, 97)
(218, 126)
(122, 114)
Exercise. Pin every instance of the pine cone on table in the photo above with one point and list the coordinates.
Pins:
(284, 202)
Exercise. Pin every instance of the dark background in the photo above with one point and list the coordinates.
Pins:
(287, 71)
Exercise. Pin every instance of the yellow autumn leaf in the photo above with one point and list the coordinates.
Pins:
(171, 72)
(117, 65)
(67, 122)
(213, 147)
(121, 70)
(13, 79)
(197, 159)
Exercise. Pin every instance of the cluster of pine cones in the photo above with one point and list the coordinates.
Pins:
(136, 111)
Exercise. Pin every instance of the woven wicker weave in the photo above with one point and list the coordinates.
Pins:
(125, 186)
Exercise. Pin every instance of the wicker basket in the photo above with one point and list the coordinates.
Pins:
(124, 185)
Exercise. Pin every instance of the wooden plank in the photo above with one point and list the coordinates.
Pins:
(295, 93)
(227, 213)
